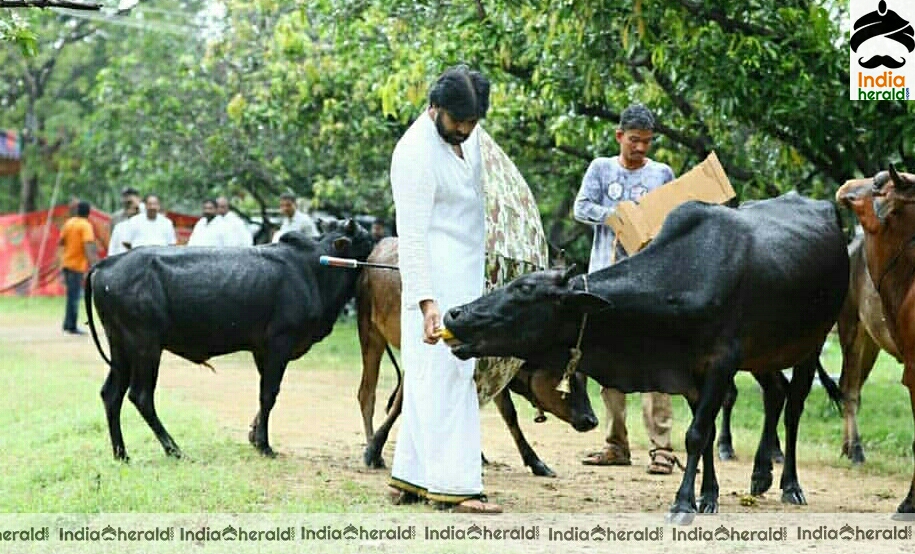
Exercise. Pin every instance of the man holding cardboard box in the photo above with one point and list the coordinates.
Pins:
(607, 182)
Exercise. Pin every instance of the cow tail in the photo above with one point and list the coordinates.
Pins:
(397, 369)
(835, 394)
(87, 293)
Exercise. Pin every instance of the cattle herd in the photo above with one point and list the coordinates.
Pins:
(755, 288)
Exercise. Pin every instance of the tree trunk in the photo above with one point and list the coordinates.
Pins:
(29, 193)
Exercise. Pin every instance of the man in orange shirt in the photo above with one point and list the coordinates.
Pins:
(78, 241)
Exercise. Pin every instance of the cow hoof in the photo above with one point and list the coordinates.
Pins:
(174, 453)
(726, 453)
(760, 483)
(266, 451)
(905, 511)
(120, 455)
(540, 469)
(681, 514)
(857, 455)
(708, 506)
(794, 495)
(372, 457)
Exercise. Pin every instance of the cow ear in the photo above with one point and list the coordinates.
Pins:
(903, 183)
(350, 227)
(341, 243)
(585, 302)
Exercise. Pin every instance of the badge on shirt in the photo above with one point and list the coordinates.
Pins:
(638, 192)
(615, 191)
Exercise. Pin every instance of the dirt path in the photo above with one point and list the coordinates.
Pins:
(317, 419)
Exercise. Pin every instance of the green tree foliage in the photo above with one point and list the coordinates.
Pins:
(312, 96)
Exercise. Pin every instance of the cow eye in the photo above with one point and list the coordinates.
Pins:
(527, 288)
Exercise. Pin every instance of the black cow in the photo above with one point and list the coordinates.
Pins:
(718, 290)
(274, 301)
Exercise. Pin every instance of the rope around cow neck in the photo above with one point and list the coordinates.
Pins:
(563, 385)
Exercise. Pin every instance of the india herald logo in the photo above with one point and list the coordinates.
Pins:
(885, 23)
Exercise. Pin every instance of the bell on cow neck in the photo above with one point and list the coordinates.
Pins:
(540, 417)
(563, 386)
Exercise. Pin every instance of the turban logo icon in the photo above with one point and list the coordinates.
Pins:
(887, 24)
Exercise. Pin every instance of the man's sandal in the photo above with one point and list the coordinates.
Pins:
(662, 462)
(476, 505)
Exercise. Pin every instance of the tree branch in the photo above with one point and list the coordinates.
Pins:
(700, 10)
(481, 11)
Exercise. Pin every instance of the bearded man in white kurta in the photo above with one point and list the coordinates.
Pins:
(436, 179)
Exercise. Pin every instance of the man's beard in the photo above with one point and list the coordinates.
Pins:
(451, 137)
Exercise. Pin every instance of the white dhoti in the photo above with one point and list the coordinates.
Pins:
(438, 444)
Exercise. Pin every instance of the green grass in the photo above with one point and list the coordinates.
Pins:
(56, 455)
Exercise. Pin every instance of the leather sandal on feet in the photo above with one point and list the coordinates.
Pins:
(612, 455)
(662, 461)
(476, 505)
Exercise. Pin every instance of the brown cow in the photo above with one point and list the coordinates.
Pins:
(378, 308)
(863, 333)
(885, 207)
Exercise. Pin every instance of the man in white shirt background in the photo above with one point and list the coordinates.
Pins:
(119, 229)
(235, 232)
(294, 219)
(150, 228)
(209, 230)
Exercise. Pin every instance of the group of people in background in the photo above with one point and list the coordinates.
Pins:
(141, 222)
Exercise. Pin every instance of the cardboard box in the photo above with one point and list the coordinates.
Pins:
(636, 224)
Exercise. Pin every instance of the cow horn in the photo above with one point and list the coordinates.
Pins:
(350, 226)
(897, 180)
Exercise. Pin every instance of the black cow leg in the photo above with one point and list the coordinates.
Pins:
(708, 502)
(725, 442)
(773, 400)
(142, 393)
(798, 389)
(254, 423)
(506, 408)
(776, 453)
(112, 394)
(278, 352)
(699, 434)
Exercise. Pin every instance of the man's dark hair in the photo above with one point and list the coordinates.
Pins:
(638, 117)
(288, 196)
(82, 209)
(209, 201)
(127, 191)
(461, 92)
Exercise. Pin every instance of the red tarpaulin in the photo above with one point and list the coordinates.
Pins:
(21, 245)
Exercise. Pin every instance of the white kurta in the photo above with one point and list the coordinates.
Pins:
(208, 232)
(237, 233)
(142, 231)
(441, 226)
